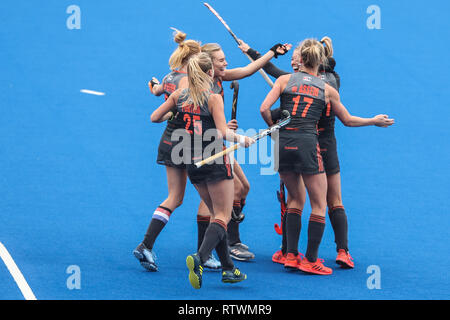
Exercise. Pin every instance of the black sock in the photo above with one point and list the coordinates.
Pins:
(293, 227)
(242, 204)
(224, 254)
(339, 223)
(233, 226)
(215, 232)
(159, 220)
(284, 238)
(315, 232)
(202, 225)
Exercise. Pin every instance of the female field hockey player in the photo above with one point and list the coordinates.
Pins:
(306, 96)
(176, 173)
(239, 251)
(328, 150)
(203, 113)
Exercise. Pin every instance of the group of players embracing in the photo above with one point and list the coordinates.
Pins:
(308, 160)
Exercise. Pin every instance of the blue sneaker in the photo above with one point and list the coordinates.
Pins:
(233, 276)
(195, 270)
(212, 263)
(146, 257)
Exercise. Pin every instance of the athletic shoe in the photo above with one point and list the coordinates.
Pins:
(233, 276)
(344, 259)
(146, 257)
(212, 263)
(279, 257)
(195, 270)
(238, 252)
(316, 267)
(292, 260)
(243, 246)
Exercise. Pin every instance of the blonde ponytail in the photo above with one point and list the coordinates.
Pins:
(328, 46)
(185, 50)
(199, 80)
(312, 53)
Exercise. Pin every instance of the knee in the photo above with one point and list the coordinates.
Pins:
(334, 202)
(175, 201)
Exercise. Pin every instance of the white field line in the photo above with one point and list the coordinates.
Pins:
(96, 93)
(16, 274)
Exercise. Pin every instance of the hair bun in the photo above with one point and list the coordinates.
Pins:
(179, 37)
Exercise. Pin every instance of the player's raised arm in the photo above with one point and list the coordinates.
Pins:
(381, 120)
(272, 97)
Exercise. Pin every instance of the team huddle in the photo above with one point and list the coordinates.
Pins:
(307, 154)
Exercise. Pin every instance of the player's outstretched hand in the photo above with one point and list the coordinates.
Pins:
(383, 120)
(281, 49)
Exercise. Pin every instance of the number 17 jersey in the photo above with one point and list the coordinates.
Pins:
(304, 98)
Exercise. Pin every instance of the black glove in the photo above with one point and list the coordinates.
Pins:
(278, 46)
(153, 83)
(275, 114)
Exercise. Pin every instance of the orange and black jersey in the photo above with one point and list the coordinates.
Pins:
(327, 74)
(304, 98)
(171, 82)
(199, 124)
(218, 87)
(205, 141)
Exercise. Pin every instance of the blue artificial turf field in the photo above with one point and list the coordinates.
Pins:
(79, 180)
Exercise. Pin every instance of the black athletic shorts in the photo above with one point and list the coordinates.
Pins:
(299, 152)
(328, 150)
(210, 172)
(165, 150)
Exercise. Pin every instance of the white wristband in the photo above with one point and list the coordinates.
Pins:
(242, 141)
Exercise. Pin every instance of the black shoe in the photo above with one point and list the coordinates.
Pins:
(233, 276)
(146, 257)
(195, 270)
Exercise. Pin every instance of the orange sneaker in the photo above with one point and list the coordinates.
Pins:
(293, 261)
(279, 257)
(344, 259)
(316, 267)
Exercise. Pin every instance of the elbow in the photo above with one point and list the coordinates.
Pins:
(347, 122)
(263, 109)
(154, 118)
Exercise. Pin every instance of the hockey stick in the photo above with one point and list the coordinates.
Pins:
(261, 71)
(262, 134)
(281, 197)
(235, 86)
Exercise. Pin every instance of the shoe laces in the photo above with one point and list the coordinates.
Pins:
(237, 272)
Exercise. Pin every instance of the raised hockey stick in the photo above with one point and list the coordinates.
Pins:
(261, 71)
